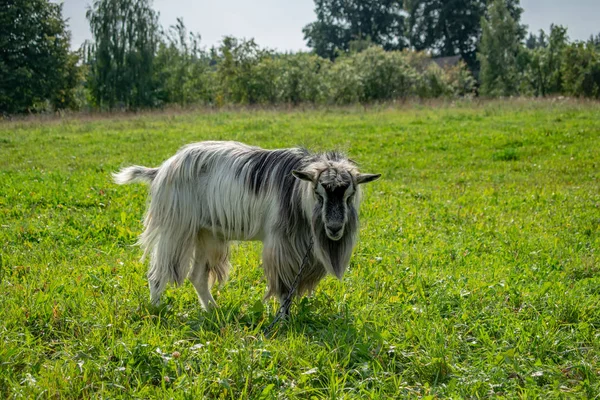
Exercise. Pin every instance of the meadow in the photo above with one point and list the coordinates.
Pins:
(477, 273)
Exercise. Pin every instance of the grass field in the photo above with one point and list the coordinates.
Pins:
(477, 273)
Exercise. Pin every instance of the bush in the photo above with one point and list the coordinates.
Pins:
(246, 73)
(384, 75)
(461, 80)
(343, 82)
(303, 78)
(183, 70)
(433, 83)
(377, 75)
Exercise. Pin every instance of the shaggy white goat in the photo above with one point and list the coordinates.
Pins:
(211, 193)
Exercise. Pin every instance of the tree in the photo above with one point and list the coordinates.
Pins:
(498, 51)
(450, 27)
(595, 41)
(181, 68)
(340, 22)
(531, 42)
(581, 70)
(545, 59)
(536, 42)
(36, 65)
(241, 76)
(126, 36)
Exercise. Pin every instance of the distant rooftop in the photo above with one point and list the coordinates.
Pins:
(447, 62)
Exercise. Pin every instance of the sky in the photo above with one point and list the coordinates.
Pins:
(277, 24)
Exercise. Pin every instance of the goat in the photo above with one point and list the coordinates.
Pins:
(213, 192)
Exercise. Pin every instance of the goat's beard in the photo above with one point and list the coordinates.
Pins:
(335, 254)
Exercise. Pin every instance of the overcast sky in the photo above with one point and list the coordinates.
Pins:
(277, 24)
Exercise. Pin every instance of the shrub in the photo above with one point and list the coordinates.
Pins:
(236, 64)
(384, 75)
(461, 80)
(344, 82)
(433, 83)
(182, 70)
(303, 78)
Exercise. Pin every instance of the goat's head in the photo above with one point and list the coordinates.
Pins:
(334, 186)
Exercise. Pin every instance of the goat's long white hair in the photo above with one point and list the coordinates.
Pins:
(211, 193)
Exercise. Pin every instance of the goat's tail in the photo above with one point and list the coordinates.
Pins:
(135, 173)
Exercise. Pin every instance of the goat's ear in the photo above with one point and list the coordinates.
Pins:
(305, 176)
(365, 178)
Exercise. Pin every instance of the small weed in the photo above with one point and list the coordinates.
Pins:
(506, 154)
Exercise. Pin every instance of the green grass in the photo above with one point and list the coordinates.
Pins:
(477, 273)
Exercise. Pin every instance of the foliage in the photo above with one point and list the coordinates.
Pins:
(448, 28)
(248, 74)
(543, 72)
(555, 66)
(498, 51)
(182, 69)
(341, 22)
(121, 59)
(595, 41)
(301, 79)
(535, 42)
(461, 80)
(243, 76)
(134, 64)
(581, 70)
(36, 66)
(380, 76)
(477, 273)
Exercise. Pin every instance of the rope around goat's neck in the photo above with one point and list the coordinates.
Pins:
(285, 304)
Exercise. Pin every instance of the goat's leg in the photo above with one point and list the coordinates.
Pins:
(211, 263)
(169, 263)
(285, 301)
(200, 278)
(273, 256)
(157, 286)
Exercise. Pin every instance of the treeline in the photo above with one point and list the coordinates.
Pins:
(133, 63)
(541, 65)
(240, 72)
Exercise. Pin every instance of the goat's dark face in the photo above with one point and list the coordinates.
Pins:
(334, 193)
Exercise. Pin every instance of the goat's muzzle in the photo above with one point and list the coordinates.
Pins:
(334, 231)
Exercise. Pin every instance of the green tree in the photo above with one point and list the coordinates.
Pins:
(450, 27)
(36, 66)
(581, 70)
(498, 51)
(241, 79)
(531, 42)
(182, 68)
(126, 36)
(544, 69)
(340, 22)
(536, 42)
(595, 41)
